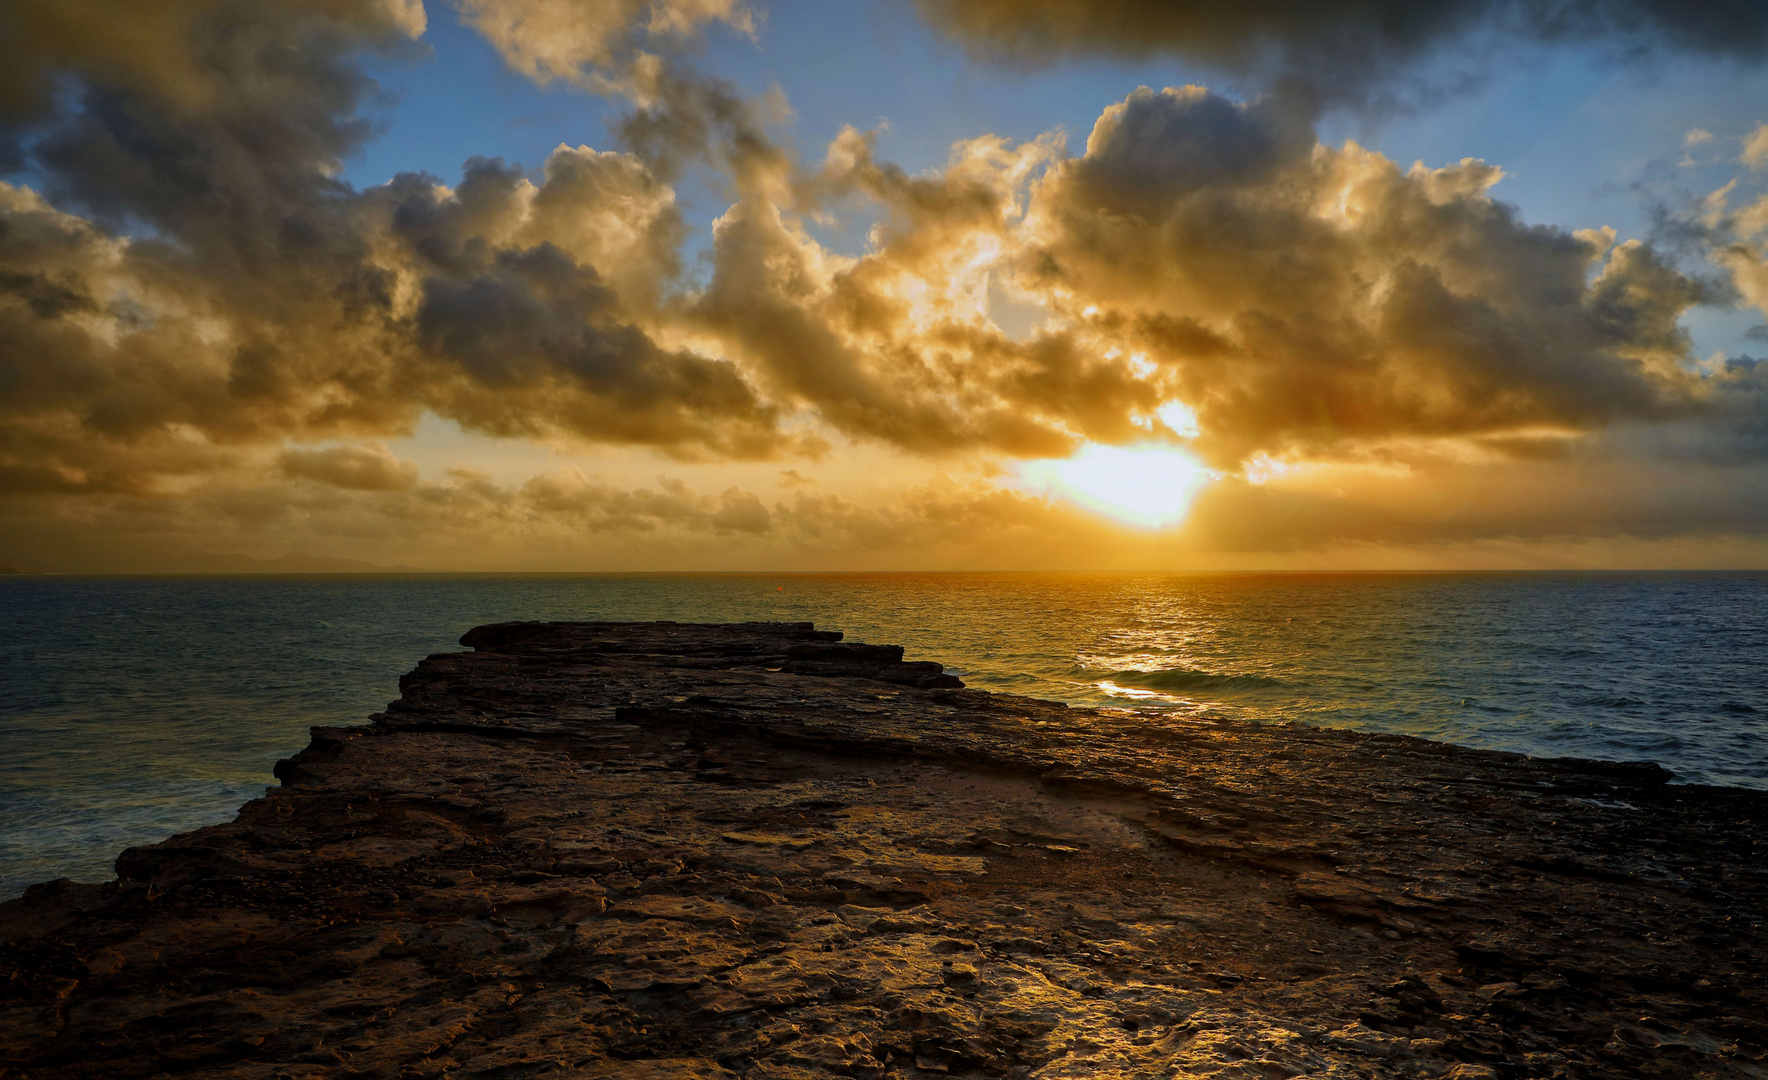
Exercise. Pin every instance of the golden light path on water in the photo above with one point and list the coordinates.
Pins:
(1150, 485)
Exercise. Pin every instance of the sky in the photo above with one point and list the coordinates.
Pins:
(592, 285)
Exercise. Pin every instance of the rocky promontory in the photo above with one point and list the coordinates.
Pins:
(666, 850)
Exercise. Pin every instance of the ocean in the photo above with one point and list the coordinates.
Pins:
(135, 708)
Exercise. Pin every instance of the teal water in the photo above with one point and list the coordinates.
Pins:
(134, 708)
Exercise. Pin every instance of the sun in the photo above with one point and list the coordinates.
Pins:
(1149, 486)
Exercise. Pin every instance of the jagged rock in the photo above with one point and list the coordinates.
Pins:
(683, 851)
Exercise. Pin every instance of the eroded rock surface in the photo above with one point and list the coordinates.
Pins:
(662, 850)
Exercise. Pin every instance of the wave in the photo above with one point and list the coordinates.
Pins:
(1192, 679)
(1609, 701)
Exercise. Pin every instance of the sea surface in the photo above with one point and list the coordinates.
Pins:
(135, 708)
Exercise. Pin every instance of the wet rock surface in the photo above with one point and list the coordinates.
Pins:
(662, 850)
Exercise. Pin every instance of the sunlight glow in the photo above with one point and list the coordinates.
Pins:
(1149, 486)
(1180, 417)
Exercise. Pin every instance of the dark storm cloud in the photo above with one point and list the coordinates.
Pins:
(535, 317)
(261, 298)
(152, 47)
(686, 118)
(1340, 48)
(47, 298)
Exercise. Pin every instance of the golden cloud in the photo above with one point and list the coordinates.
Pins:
(591, 43)
(206, 318)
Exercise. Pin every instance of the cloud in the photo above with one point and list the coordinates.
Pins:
(1730, 225)
(1341, 49)
(591, 43)
(156, 47)
(203, 328)
(1371, 515)
(1755, 148)
(1203, 259)
(1296, 298)
(192, 280)
(577, 502)
(1588, 493)
(896, 345)
(536, 323)
(955, 519)
(358, 468)
(233, 316)
(1304, 299)
(632, 49)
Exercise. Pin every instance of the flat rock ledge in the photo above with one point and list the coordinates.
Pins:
(667, 850)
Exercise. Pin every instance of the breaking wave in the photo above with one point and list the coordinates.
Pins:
(1190, 679)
